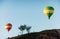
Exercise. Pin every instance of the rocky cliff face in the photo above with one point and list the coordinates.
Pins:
(46, 34)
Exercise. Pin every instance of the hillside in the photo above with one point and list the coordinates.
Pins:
(46, 34)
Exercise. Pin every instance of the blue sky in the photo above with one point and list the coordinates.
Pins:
(29, 12)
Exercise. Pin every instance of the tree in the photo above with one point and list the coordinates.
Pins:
(22, 28)
(28, 29)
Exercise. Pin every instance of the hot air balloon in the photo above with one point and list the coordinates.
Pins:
(48, 10)
(8, 26)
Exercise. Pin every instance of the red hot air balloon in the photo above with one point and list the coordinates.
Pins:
(8, 26)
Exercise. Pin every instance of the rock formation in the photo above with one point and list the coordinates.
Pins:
(45, 34)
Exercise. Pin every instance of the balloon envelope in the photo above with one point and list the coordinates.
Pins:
(48, 10)
(8, 26)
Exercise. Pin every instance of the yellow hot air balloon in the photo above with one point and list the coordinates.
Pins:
(8, 26)
(48, 10)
